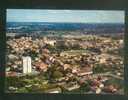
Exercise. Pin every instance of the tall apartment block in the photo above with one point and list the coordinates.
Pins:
(27, 67)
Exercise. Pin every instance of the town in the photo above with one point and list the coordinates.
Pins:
(87, 63)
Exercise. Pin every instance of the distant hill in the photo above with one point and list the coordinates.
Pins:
(29, 27)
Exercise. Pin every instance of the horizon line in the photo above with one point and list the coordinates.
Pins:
(59, 22)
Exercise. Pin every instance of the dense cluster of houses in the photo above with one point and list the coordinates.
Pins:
(73, 64)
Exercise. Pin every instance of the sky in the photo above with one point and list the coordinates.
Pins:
(80, 16)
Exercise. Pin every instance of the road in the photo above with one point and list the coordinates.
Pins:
(108, 74)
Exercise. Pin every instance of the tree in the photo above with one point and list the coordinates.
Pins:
(85, 87)
(98, 68)
(57, 74)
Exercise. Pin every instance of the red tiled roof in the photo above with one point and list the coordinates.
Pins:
(41, 65)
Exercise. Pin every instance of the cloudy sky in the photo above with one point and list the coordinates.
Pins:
(84, 16)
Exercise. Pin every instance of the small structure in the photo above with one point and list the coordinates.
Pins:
(71, 86)
(102, 60)
(41, 66)
(50, 42)
(54, 90)
(121, 41)
(27, 68)
(85, 71)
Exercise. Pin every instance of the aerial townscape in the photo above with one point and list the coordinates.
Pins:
(67, 60)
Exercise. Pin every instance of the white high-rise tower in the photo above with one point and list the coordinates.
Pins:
(27, 68)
